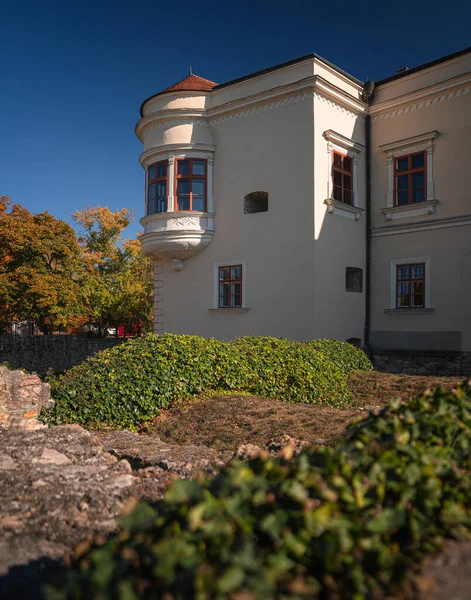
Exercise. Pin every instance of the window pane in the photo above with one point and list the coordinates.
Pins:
(418, 195)
(403, 287)
(347, 164)
(183, 167)
(235, 294)
(403, 272)
(402, 182)
(402, 198)
(418, 161)
(152, 171)
(347, 197)
(162, 205)
(402, 164)
(199, 167)
(417, 300)
(183, 186)
(162, 169)
(151, 191)
(235, 272)
(403, 301)
(198, 187)
(347, 182)
(417, 271)
(183, 202)
(337, 160)
(417, 180)
(418, 287)
(337, 178)
(162, 189)
(338, 194)
(197, 203)
(223, 273)
(150, 207)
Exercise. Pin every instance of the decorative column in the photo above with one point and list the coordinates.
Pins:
(329, 170)
(430, 183)
(210, 207)
(158, 297)
(390, 203)
(355, 180)
(171, 184)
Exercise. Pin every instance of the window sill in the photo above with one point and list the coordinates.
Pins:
(410, 210)
(409, 311)
(343, 210)
(220, 311)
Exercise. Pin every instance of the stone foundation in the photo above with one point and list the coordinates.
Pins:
(453, 364)
(21, 399)
(56, 353)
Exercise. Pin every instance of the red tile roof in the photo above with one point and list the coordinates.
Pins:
(192, 83)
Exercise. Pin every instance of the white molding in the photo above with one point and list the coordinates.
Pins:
(435, 94)
(310, 87)
(427, 71)
(410, 210)
(343, 210)
(228, 263)
(176, 150)
(407, 261)
(342, 141)
(415, 143)
(421, 141)
(443, 223)
(227, 311)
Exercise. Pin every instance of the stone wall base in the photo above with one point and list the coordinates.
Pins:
(56, 353)
(453, 364)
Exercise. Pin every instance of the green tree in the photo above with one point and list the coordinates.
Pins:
(40, 269)
(119, 286)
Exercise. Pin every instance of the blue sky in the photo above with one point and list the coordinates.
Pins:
(73, 75)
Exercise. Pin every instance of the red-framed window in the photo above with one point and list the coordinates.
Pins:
(409, 179)
(191, 183)
(230, 286)
(410, 286)
(157, 187)
(342, 178)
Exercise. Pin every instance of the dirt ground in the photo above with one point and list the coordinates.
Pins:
(226, 422)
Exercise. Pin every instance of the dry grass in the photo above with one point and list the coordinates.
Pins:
(226, 422)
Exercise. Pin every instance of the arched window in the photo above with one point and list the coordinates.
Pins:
(256, 202)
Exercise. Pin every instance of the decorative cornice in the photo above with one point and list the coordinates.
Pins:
(342, 141)
(416, 141)
(169, 150)
(453, 88)
(441, 223)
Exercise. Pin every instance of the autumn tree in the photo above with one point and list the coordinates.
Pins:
(119, 287)
(40, 268)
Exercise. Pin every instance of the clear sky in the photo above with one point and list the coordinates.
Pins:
(73, 75)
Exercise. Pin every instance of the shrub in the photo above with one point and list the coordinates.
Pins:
(127, 385)
(292, 371)
(346, 357)
(344, 522)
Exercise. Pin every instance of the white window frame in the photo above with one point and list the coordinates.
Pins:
(393, 288)
(337, 142)
(229, 263)
(416, 143)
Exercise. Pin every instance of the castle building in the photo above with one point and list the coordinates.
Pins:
(300, 202)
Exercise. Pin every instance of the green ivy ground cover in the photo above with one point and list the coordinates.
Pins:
(335, 523)
(127, 385)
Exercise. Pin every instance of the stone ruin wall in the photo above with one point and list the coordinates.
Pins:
(22, 397)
